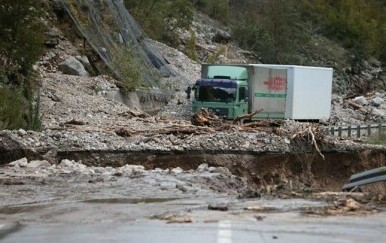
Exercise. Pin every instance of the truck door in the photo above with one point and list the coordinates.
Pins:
(242, 102)
(269, 90)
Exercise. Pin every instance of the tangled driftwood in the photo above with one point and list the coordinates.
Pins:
(206, 118)
(204, 122)
(303, 133)
(130, 113)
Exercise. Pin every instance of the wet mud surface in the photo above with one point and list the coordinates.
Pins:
(268, 194)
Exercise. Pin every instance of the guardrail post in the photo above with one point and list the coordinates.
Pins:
(380, 129)
(340, 131)
(369, 130)
(332, 131)
(359, 131)
(349, 131)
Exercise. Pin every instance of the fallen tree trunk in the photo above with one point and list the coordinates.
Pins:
(246, 116)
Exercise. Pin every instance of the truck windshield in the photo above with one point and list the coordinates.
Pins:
(215, 94)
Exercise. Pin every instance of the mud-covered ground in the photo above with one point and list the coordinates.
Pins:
(72, 201)
(36, 191)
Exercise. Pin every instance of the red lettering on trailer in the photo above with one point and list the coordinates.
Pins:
(276, 83)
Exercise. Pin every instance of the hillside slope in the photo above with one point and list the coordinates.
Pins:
(214, 41)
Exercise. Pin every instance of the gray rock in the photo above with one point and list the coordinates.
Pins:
(382, 107)
(177, 170)
(377, 112)
(73, 66)
(83, 59)
(49, 56)
(158, 170)
(377, 101)
(337, 99)
(20, 163)
(22, 132)
(211, 169)
(38, 164)
(203, 167)
(220, 170)
(120, 39)
(99, 170)
(132, 169)
(360, 100)
(181, 187)
(67, 163)
(222, 37)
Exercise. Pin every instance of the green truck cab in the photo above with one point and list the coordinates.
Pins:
(222, 89)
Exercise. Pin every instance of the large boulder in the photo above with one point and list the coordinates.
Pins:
(222, 37)
(73, 66)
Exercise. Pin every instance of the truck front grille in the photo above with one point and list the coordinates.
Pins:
(221, 112)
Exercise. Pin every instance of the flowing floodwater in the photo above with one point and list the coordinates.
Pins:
(77, 203)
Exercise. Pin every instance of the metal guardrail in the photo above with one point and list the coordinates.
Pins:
(356, 130)
(364, 178)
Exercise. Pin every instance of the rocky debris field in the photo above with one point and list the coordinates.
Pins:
(358, 109)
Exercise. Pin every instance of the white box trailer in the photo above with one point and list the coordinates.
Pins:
(290, 91)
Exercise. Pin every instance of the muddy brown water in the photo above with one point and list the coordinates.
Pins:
(259, 168)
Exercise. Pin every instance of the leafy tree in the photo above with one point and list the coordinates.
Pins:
(21, 37)
(21, 45)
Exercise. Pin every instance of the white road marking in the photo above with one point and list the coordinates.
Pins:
(224, 234)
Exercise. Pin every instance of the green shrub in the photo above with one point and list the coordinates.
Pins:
(213, 58)
(130, 72)
(34, 120)
(12, 109)
(379, 138)
(191, 47)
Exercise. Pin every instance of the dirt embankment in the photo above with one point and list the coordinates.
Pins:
(260, 170)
